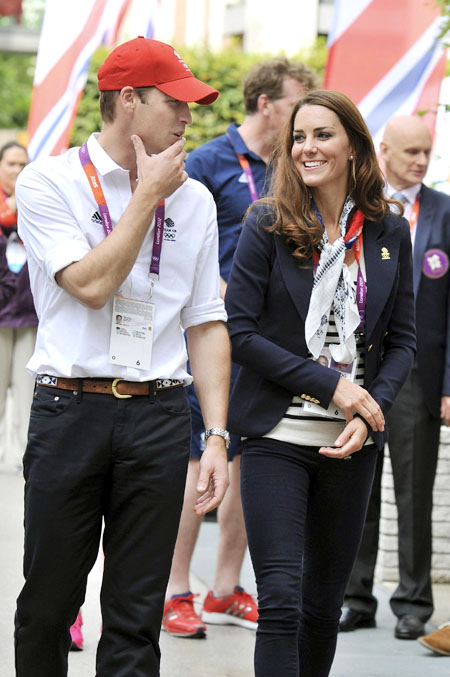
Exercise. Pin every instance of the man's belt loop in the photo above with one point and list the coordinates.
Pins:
(79, 390)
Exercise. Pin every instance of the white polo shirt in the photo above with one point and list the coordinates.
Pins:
(59, 224)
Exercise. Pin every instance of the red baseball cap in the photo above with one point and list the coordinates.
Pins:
(149, 63)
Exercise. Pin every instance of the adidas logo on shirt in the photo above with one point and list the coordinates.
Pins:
(96, 218)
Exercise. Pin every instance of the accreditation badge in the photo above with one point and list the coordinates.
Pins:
(15, 253)
(347, 371)
(132, 327)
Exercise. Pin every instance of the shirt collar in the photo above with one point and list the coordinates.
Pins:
(239, 143)
(103, 163)
(410, 193)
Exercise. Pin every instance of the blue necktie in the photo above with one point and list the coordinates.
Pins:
(401, 197)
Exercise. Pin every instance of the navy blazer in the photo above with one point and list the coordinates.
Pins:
(267, 302)
(433, 298)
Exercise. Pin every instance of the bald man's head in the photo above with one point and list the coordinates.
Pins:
(406, 149)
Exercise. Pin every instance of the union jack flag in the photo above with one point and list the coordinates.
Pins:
(385, 56)
(70, 34)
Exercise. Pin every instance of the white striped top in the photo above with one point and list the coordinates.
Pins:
(307, 428)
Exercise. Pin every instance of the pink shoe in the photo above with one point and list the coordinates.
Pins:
(76, 634)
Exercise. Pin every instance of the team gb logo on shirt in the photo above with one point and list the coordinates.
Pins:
(170, 232)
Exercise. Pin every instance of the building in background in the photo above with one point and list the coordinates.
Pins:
(259, 26)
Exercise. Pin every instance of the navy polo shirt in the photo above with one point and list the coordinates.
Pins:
(215, 164)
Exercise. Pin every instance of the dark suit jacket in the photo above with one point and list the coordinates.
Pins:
(433, 298)
(267, 302)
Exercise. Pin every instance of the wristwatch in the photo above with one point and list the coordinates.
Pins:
(218, 431)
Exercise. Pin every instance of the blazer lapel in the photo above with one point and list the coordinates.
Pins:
(423, 232)
(380, 257)
(298, 281)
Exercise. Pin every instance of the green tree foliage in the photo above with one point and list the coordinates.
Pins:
(16, 76)
(224, 71)
(444, 35)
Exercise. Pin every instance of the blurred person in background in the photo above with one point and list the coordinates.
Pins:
(7, 278)
(414, 421)
(233, 167)
(322, 266)
(18, 318)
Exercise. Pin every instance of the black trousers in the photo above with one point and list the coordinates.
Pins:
(304, 515)
(90, 458)
(413, 448)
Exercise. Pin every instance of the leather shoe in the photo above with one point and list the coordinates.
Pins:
(352, 620)
(409, 626)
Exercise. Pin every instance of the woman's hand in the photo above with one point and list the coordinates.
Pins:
(350, 440)
(356, 400)
(445, 409)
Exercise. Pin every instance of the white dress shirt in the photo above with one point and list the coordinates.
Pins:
(59, 224)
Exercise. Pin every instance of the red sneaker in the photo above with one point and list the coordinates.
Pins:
(239, 608)
(76, 634)
(180, 618)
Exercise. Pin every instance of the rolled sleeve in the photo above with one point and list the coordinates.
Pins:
(205, 304)
(46, 224)
(208, 312)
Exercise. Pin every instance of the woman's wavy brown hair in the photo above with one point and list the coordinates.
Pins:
(290, 198)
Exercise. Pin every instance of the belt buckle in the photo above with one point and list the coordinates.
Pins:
(114, 385)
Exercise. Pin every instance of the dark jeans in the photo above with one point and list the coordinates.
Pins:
(304, 515)
(89, 458)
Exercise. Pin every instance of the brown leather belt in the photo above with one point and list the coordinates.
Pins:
(117, 387)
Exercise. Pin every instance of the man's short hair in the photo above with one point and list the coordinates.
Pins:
(267, 78)
(108, 100)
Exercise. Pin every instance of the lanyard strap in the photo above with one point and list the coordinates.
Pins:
(353, 240)
(361, 287)
(414, 214)
(243, 161)
(99, 196)
(96, 188)
(157, 240)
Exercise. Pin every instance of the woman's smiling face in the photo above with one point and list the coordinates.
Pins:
(321, 149)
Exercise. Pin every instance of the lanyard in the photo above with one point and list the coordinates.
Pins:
(414, 214)
(243, 161)
(354, 242)
(99, 197)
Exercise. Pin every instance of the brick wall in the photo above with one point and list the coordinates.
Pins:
(387, 565)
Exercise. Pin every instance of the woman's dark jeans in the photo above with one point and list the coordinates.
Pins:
(304, 515)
